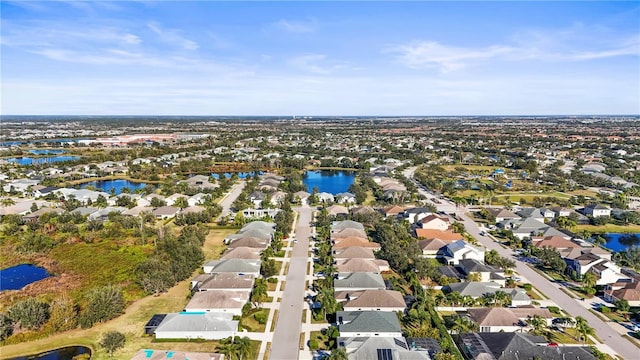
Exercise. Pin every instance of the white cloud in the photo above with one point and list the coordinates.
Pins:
(447, 58)
(315, 63)
(575, 44)
(173, 37)
(297, 26)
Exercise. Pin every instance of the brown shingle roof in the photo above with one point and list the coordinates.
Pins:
(353, 252)
(438, 234)
(372, 298)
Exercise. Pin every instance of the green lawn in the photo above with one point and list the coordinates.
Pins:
(323, 341)
(249, 322)
(608, 228)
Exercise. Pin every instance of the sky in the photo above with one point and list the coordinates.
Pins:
(319, 58)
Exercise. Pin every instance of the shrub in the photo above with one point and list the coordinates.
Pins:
(104, 304)
(313, 344)
(527, 287)
(261, 318)
(605, 309)
(272, 280)
(554, 309)
(30, 313)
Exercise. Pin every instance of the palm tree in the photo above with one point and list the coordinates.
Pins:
(259, 292)
(328, 301)
(338, 353)
(589, 280)
(583, 329)
(538, 324)
(462, 324)
(243, 346)
(7, 202)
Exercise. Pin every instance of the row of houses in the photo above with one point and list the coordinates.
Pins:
(221, 291)
(368, 324)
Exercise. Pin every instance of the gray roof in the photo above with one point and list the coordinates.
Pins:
(234, 266)
(360, 280)
(218, 299)
(346, 224)
(225, 281)
(384, 348)
(367, 321)
(507, 346)
(194, 322)
(475, 289)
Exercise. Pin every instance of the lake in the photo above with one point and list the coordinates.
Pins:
(117, 185)
(19, 276)
(46, 152)
(65, 353)
(333, 182)
(26, 161)
(620, 242)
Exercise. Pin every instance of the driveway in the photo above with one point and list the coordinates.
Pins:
(286, 336)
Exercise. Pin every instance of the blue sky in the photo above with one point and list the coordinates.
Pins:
(320, 58)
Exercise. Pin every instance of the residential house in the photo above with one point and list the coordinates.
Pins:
(347, 233)
(256, 198)
(375, 300)
(241, 252)
(165, 212)
(596, 210)
(358, 281)
(502, 214)
(497, 319)
(237, 266)
(486, 273)
(353, 252)
(454, 252)
(556, 242)
(630, 292)
(414, 215)
(249, 241)
(447, 235)
(345, 198)
(434, 222)
(362, 265)
(355, 241)
(205, 326)
(302, 197)
(223, 281)
(531, 213)
(336, 210)
(224, 301)
(392, 211)
(513, 345)
(368, 324)
(151, 354)
(561, 211)
(367, 348)
(35, 216)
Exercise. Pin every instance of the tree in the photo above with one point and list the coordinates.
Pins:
(589, 279)
(444, 356)
(157, 202)
(154, 276)
(181, 202)
(338, 353)
(538, 324)
(64, 314)
(29, 313)
(583, 329)
(112, 341)
(6, 327)
(462, 324)
(622, 306)
(328, 301)
(104, 303)
(259, 292)
(458, 227)
(235, 348)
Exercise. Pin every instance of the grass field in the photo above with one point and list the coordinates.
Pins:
(608, 228)
(249, 322)
(214, 243)
(132, 322)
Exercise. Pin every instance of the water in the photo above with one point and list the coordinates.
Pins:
(46, 152)
(117, 185)
(620, 242)
(26, 161)
(329, 181)
(19, 276)
(241, 175)
(66, 353)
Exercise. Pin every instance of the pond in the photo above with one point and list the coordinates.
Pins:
(46, 152)
(621, 242)
(114, 185)
(65, 353)
(19, 276)
(333, 182)
(26, 161)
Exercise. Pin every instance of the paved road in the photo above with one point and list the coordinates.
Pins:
(231, 196)
(608, 335)
(286, 337)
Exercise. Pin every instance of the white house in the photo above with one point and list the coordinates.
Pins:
(206, 326)
(454, 252)
(218, 301)
(434, 222)
(596, 210)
